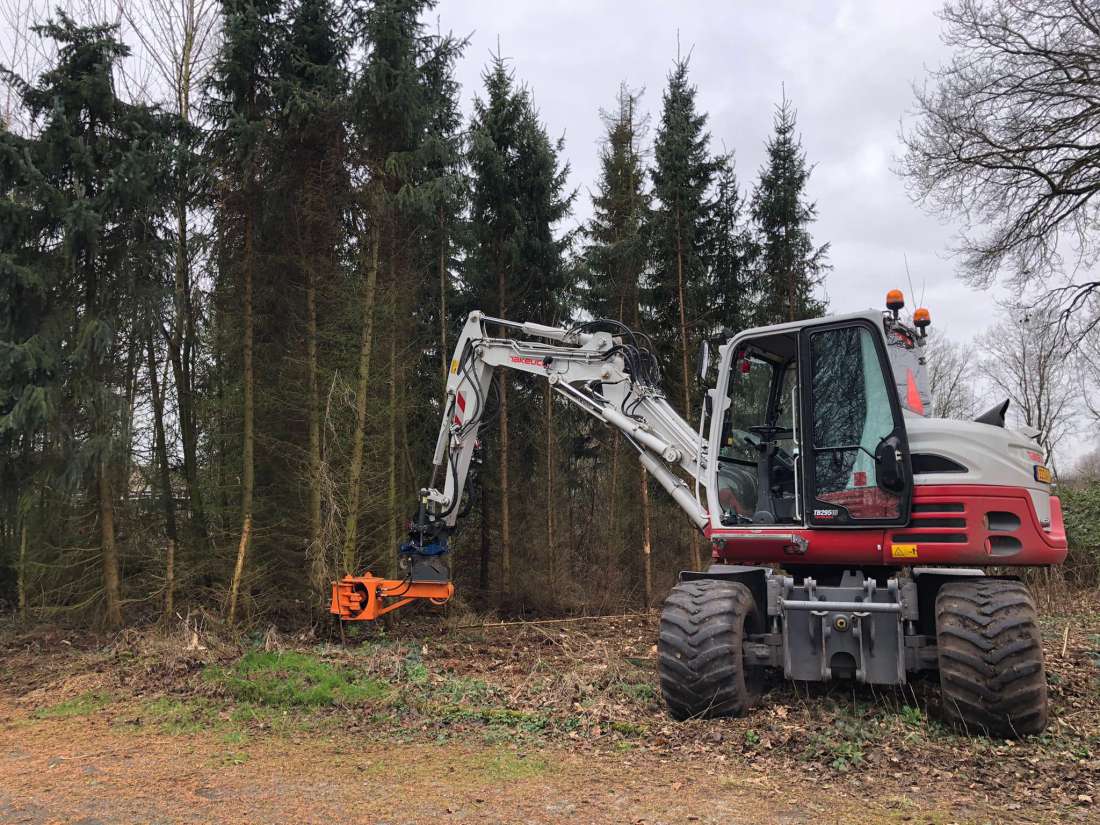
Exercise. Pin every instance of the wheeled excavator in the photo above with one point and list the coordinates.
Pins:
(852, 535)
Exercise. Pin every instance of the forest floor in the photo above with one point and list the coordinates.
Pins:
(421, 722)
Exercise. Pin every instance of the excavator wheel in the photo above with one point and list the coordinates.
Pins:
(703, 624)
(991, 658)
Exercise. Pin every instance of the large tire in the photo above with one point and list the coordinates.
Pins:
(991, 658)
(703, 624)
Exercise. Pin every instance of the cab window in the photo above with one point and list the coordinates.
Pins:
(851, 416)
(756, 471)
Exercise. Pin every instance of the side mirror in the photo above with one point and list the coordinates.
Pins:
(889, 468)
(702, 362)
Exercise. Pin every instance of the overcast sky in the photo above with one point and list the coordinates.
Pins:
(847, 66)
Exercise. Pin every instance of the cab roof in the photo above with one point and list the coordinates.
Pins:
(873, 315)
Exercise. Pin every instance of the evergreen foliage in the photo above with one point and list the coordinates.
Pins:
(683, 174)
(83, 251)
(791, 267)
(238, 317)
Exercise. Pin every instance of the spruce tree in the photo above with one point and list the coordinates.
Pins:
(683, 173)
(731, 257)
(240, 110)
(89, 201)
(616, 258)
(616, 253)
(404, 122)
(791, 267)
(515, 266)
(308, 200)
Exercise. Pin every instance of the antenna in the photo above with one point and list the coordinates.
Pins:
(909, 275)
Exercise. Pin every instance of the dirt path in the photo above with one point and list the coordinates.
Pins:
(87, 771)
(510, 725)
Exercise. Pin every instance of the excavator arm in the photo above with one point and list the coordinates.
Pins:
(602, 367)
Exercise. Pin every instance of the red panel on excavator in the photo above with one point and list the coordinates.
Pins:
(966, 525)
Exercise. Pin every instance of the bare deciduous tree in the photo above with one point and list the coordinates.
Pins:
(1005, 139)
(1086, 336)
(1028, 362)
(951, 377)
(1086, 470)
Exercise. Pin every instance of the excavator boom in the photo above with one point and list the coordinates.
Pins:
(602, 367)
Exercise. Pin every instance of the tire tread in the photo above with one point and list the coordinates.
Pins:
(991, 657)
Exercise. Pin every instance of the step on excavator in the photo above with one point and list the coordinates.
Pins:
(850, 532)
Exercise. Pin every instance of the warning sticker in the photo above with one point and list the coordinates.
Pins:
(903, 551)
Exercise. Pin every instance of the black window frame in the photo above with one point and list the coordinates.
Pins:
(808, 450)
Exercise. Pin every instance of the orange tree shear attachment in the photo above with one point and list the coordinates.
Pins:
(365, 598)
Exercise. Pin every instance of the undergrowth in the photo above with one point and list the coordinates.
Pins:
(294, 680)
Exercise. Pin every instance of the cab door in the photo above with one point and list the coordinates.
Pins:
(855, 450)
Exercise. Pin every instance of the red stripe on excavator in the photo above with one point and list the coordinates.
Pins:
(460, 400)
(912, 394)
(939, 540)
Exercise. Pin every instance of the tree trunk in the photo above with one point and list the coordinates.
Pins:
(391, 489)
(647, 532)
(613, 534)
(355, 470)
(248, 477)
(551, 500)
(444, 354)
(316, 551)
(164, 474)
(112, 596)
(486, 555)
(505, 524)
(180, 347)
(647, 543)
(696, 560)
(21, 583)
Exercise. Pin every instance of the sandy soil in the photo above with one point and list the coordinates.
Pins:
(84, 770)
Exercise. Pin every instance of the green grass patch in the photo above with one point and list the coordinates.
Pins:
(178, 717)
(639, 691)
(841, 747)
(81, 705)
(629, 728)
(501, 719)
(911, 715)
(459, 689)
(503, 767)
(294, 680)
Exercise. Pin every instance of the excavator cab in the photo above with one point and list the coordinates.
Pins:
(812, 432)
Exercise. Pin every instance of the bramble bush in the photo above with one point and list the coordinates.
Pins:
(1081, 511)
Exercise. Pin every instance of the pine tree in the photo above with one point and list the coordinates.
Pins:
(403, 119)
(308, 199)
(616, 254)
(240, 111)
(616, 258)
(93, 178)
(683, 173)
(791, 268)
(731, 257)
(515, 266)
